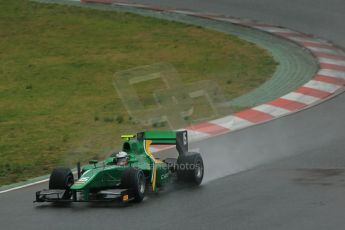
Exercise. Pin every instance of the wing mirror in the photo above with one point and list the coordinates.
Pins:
(94, 162)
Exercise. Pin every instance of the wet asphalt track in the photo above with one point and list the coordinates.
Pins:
(291, 170)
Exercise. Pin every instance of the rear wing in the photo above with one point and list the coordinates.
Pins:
(178, 138)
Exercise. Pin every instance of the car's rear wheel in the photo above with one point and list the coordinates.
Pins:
(62, 178)
(134, 180)
(190, 168)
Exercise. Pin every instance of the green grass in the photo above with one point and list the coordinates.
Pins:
(57, 103)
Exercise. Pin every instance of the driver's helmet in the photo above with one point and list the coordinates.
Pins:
(122, 158)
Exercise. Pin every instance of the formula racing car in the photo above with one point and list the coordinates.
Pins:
(128, 174)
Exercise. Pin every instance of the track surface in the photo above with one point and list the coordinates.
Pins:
(299, 185)
(317, 17)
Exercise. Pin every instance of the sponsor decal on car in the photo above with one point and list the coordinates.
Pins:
(82, 180)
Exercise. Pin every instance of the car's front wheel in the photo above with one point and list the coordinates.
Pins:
(134, 180)
(62, 178)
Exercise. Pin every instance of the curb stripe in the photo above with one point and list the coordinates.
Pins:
(287, 104)
(305, 99)
(312, 92)
(209, 128)
(332, 61)
(196, 134)
(300, 40)
(331, 73)
(329, 56)
(332, 80)
(322, 86)
(254, 115)
(272, 110)
(317, 45)
(331, 66)
(232, 122)
(323, 50)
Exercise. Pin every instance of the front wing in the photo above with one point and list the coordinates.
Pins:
(67, 196)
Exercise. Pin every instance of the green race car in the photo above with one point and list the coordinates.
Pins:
(128, 174)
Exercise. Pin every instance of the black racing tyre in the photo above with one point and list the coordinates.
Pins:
(190, 168)
(134, 180)
(62, 178)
